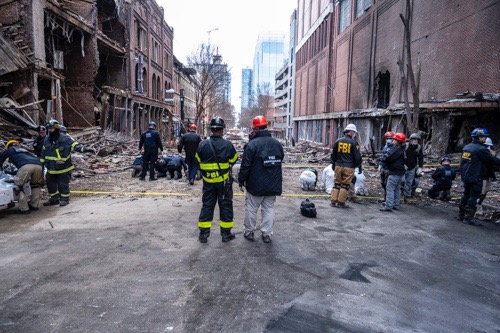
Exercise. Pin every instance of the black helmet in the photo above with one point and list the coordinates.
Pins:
(54, 124)
(217, 123)
(445, 159)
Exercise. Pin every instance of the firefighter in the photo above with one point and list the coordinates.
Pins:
(37, 142)
(443, 177)
(151, 141)
(56, 156)
(29, 176)
(414, 161)
(190, 142)
(382, 168)
(475, 162)
(345, 158)
(216, 155)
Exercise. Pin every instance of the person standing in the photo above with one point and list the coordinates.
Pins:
(395, 161)
(475, 162)
(260, 172)
(29, 176)
(190, 142)
(384, 171)
(151, 141)
(414, 161)
(216, 155)
(443, 178)
(490, 173)
(56, 156)
(345, 158)
(38, 141)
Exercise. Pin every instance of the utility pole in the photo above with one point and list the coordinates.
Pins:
(209, 32)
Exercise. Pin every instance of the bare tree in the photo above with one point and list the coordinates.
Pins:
(263, 101)
(209, 77)
(409, 79)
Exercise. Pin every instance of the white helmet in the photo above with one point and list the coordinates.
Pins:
(350, 127)
(488, 142)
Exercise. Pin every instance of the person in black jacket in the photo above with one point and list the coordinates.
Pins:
(395, 161)
(261, 174)
(175, 165)
(414, 160)
(151, 141)
(216, 155)
(38, 141)
(29, 176)
(476, 159)
(190, 142)
(443, 178)
(345, 158)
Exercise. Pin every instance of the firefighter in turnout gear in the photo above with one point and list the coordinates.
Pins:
(29, 176)
(151, 141)
(476, 159)
(345, 158)
(56, 156)
(216, 155)
(38, 141)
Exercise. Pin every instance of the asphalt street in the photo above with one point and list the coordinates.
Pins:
(122, 264)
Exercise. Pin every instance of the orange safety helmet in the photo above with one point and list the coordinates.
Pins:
(389, 135)
(193, 127)
(259, 121)
(401, 137)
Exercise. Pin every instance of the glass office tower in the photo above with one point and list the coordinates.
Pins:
(270, 56)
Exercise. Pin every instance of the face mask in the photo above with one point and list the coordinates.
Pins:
(389, 141)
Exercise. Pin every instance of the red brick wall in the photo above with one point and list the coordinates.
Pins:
(10, 13)
(341, 73)
(360, 72)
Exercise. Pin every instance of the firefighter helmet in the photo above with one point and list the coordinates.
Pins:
(12, 142)
(389, 135)
(42, 129)
(217, 123)
(415, 136)
(350, 127)
(53, 124)
(445, 159)
(479, 132)
(401, 137)
(259, 121)
(152, 124)
(193, 127)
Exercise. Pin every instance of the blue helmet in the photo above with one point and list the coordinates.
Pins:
(479, 132)
(445, 159)
(152, 124)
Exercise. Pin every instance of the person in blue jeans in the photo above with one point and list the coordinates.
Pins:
(395, 161)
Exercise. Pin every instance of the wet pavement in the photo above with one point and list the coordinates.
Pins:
(120, 264)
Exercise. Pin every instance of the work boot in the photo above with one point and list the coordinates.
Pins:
(469, 217)
(23, 212)
(342, 205)
(226, 234)
(63, 202)
(142, 179)
(249, 236)
(333, 204)
(33, 208)
(204, 234)
(51, 202)
(191, 182)
(266, 238)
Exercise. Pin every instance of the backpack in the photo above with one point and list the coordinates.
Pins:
(307, 208)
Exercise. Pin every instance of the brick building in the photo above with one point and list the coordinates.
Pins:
(347, 69)
(106, 62)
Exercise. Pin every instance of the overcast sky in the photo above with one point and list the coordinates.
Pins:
(238, 22)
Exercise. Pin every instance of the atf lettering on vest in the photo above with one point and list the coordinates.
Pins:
(150, 139)
(344, 147)
(466, 156)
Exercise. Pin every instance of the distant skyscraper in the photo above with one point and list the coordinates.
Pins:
(270, 56)
(224, 86)
(246, 89)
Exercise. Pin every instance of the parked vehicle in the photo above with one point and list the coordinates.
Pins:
(9, 192)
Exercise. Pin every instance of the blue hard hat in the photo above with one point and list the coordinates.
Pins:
(445, 159)
(479, 132)
(152, 124)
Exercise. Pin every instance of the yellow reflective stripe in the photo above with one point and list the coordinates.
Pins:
(227, 225)
(205, 225)
(216, 179)
(58, 155)
(197, 157)
(65, 195)
(53, 194)
(42, 160)
(74, 144)
(234, 159)
(58, 172)
(52, 158)
(214, 166)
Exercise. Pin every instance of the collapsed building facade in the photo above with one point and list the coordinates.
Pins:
(347, 69)
(106, 63)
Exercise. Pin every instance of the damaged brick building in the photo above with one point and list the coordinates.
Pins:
(347, 69)
(104, 62)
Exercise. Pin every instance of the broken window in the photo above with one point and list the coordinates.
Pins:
(382, 89)
(362, 6)
(345, 14)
